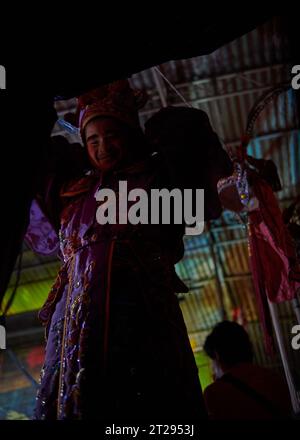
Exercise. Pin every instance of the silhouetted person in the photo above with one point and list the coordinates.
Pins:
(241, 390)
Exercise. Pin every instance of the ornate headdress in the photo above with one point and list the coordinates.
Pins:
(117, 100)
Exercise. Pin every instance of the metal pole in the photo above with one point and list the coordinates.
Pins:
(159, 87)
(283, 353)
(217, 269)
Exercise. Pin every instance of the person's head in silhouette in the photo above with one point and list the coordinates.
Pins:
(228, 345)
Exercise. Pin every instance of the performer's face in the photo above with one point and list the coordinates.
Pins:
(107, 143)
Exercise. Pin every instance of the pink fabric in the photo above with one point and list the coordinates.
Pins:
(272, 257)
(274, 246)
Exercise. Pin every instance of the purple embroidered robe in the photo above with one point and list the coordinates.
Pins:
(117, 346)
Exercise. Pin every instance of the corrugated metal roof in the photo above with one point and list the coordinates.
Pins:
(259, 48)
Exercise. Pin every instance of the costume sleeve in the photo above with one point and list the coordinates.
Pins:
(42, 231)
(41, 236)
(64, 162)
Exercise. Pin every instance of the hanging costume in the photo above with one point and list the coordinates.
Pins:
(273, 261)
